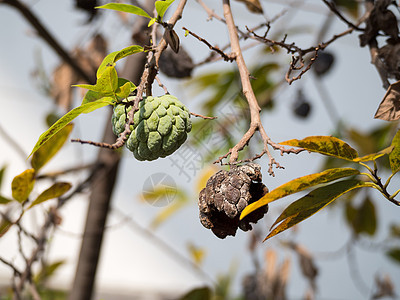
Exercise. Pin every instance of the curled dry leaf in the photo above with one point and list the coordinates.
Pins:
(172, 39)
(384, 287)
(390, 56)
(253, 6)
(380, 19)
(389, 108)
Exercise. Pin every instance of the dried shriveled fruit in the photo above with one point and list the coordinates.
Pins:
(160, 126)
(225, 196)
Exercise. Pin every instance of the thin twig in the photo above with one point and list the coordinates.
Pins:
(164, 246)
(298, 62)
(355, 274)
(34, 292)
(53, 175)
(333, 8)
(161, 85)
(9, 139)
(15, 270)
(255, 121)
(204, 117)
(225, 56)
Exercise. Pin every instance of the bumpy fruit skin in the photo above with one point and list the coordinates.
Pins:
(225, 196)
(160, 126)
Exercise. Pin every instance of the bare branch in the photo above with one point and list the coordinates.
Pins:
(333, 8)
(15, 270)
(255, 121)
(161, 85)
(225, 56)
(204, 117)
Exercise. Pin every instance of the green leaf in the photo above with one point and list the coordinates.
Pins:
(45, 153)
(374, 156)
(5, 225)
(363, 218)
(2, 170)
(126, 8)
(162, 6)
(68, 117)
(91, 96)
(113, 57)
(151, 22)
(56, 190)
(203, 293)
(127, 51)
(313, 202)
(125, 87)
(22, 185)
(297, 185)
(106, 86)
(326, 145)
(47, 271)
(350, 5)
(90, 87)
(4, 200)
(108, 81)
(394, 156)
(395, 230)
(394, 254)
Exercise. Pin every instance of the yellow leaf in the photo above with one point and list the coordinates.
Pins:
(253, 6)
(394, 156)
(5, 225)
(299, 184)
(375, 156)
(197, 253)
(51, 147)
(56, 190)
(326, 145)
(313, 202)
(22, 185)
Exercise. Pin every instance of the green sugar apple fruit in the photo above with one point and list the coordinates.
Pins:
(160, 126)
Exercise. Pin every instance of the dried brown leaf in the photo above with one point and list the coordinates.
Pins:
(390, 56)
(385, 287)
(63, 78)
(172, 39)
(389, 108)
(253, 6)
(270, 263)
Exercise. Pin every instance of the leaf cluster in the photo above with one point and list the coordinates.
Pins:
(320, 197)
(109, 88)
(23, 184)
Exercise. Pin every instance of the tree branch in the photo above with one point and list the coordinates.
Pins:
(255, 121)
(333, 8)
(49, 38)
